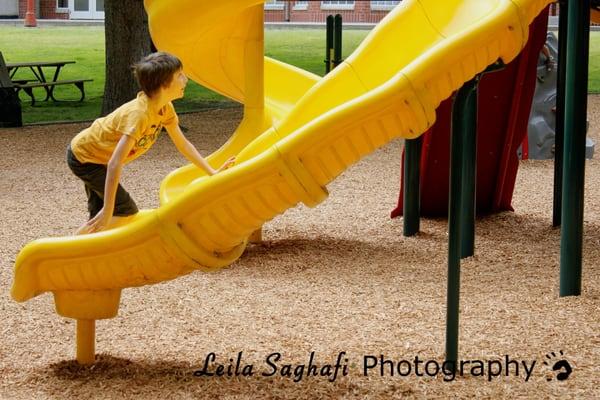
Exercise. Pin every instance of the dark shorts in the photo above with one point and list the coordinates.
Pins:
(94, 178)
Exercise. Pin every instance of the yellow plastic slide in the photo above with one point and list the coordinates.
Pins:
(299, 132)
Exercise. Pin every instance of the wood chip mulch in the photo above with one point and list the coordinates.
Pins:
(336, 278)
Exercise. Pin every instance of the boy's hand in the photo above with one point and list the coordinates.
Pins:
(226, 164)
(99, 222)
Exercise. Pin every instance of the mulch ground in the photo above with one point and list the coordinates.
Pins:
(336, 278)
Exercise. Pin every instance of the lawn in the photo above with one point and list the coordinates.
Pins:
(594, 78)
(85, 45)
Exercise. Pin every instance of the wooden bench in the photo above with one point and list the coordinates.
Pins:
(27, 85)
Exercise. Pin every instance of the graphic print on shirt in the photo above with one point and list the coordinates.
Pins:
(146, 141)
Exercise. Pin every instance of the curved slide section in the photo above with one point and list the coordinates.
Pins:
(305, 144)
(221, 47)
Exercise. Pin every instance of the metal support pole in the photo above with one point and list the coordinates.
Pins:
(411, 190)
(461, 204)
(560, 111)
(578, 37)
(329, 45)
(461, 130)
(337, 40)
(465, 121)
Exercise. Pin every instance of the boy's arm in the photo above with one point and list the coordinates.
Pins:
(189, 151)
(113, 174)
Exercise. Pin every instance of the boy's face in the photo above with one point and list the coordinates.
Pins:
(176, 88)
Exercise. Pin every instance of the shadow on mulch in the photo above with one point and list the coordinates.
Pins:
(109, 367)
(164, 379)
(282, 247)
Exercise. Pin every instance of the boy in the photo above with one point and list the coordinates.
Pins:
(97, 154)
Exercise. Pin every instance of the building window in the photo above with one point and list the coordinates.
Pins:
(274, 5)
(337, 5)
(62, 4)
(384, 5)
(301, 5)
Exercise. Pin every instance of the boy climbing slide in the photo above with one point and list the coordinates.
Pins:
(97, 154)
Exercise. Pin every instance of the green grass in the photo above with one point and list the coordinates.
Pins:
(304, 48)
(85, 45)
(594, 78)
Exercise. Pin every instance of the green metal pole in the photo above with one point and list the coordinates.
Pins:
(578, 37)
(466, 118)
(560, 111)
(411, 193)
(337, 40)
(460, 131)
(329, 45)
(466, 122)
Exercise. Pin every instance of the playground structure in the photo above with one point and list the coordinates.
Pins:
(504, 98)
(298, 133)
(540, 131)
(539, 144)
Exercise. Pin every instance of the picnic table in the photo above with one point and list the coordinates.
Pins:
(37, 68)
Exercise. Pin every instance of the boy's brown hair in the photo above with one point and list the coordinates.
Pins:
(156, 70)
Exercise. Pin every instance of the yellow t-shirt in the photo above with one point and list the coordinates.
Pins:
(136, 118)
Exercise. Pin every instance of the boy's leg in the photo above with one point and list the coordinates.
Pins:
(124, 206)
(95, 202)
(94, 178)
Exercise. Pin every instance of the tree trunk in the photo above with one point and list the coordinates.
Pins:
(127, 41)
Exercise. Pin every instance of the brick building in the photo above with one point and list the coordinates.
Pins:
(54, 9)
(359, 11)
(317, 11)
(275, 10)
